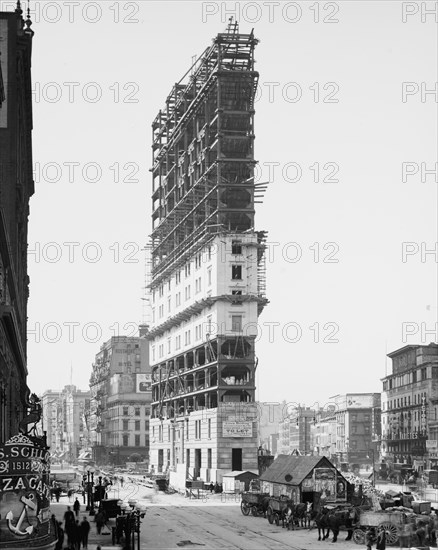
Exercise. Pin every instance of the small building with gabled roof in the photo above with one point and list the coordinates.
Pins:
(305, 479)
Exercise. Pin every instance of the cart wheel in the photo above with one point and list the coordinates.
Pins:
(390, 532)
(244, 506)
(359, 536)
(277, 520)
(260, 511)
(254, 511)
(270, 515)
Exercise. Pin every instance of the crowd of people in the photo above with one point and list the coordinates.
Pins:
(76, 531)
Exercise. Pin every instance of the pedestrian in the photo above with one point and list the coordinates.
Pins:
(60, 536)
(77, 507)
(85, 530)
(369, 538)
(69, 521)
(77, 533)
(100, 521)
(70, 494)
(211, 486)
(121, 481)
(405, 535)
(421, 534)
(381, 539)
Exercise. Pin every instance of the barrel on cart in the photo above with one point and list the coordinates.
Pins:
(256, 503)
(391, 522)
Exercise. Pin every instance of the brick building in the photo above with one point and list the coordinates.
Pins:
(410, 405)
(16, 188)
(120, 385)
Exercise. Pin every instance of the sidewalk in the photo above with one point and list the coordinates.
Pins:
(105, 541)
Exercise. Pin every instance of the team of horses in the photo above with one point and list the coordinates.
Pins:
(326, 518)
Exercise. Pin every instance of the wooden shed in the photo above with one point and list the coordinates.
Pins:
(305, 479)
(237, 481)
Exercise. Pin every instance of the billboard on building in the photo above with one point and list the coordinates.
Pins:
(237, 429)
(325, 483)
(144, 383)
(122, 383)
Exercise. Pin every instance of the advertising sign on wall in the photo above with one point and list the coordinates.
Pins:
(25, 517)
(237, 429)
(144, 383)
(325, 483)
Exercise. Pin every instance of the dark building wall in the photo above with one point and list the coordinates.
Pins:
(16, 188)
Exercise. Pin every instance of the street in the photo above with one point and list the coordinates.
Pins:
(216, 527)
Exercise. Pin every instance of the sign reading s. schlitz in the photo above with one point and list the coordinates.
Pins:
(25, 495)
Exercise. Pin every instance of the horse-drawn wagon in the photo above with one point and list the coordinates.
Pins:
(277, 509)
(256, 503)
(391, 522)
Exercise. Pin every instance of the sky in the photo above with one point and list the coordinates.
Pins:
(346, 132)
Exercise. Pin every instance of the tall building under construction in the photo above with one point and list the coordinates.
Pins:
(208, 270)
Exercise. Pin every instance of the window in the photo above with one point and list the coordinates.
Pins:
(209, 327)
(178, 342)
(137, 440)
(168, 285)
(161, 311)
(209, 429)
(187, 431)
(125, 440)
(126, 425)
(178, 299)
(198, 332)
(169, 304)
(236, 292)
(125, 411)
(209, 276)
(137, 425)
(187, 270)
(236, 272)
(146, 425)
(209, 252)
(236, 247)
(197, 429)
(178, 277)
(354, 429)
(153, 353)
(236, 323)
(137, 411)
(198, 285)
(169, 345)
(187, 292)
(208, 458)
(187, 337)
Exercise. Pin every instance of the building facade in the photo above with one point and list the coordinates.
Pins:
(63, 419)
(120, 386)
(295, 431)
(16, 188)
(357, 417)
(208, 273)
(410, 405)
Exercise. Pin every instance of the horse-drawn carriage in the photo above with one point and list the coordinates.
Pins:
(391, 522)
(256, 503)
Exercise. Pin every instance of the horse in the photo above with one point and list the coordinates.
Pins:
(332, 520)
(295, 513)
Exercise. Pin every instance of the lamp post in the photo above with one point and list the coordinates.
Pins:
(374, 471)
(90, 485)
